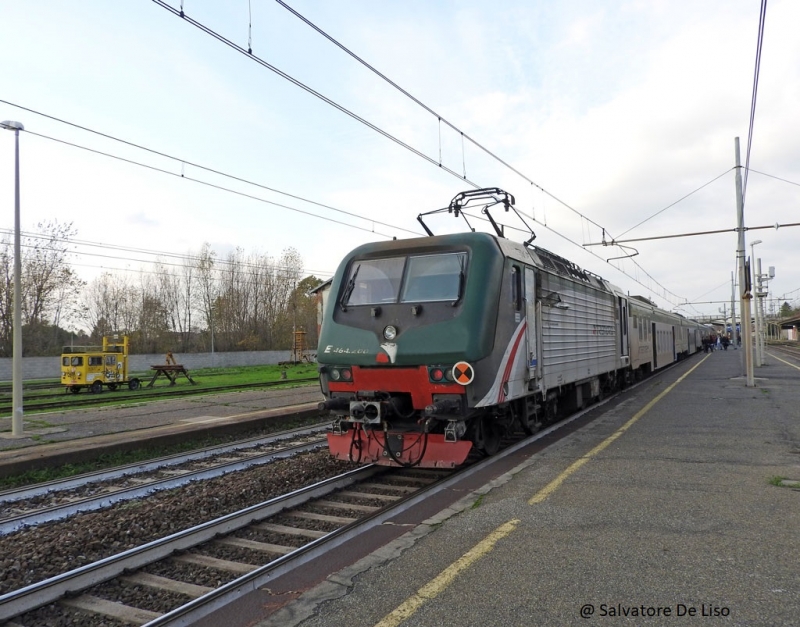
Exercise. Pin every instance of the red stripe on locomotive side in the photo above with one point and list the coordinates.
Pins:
(501, 396)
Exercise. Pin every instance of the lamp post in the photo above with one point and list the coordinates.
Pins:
(756, 314)
(16, 383)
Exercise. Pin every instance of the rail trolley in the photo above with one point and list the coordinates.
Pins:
(95, 366)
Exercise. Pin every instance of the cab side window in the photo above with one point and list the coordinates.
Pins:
(516, 288)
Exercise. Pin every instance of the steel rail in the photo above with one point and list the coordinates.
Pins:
(50, 590)
(78, 481)
(78, 402)
(92, 503)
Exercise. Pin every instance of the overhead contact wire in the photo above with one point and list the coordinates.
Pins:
(761, 20)
(204, 168)
(201, 182)
(432, 112)
(635, 226)
(311, 91)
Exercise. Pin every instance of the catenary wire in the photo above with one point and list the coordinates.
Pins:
(206, 183)
(441, 119)
(220, 263)
(660, 211)
(202, 167)
(761, 19)
(313, 92)
(777, 178)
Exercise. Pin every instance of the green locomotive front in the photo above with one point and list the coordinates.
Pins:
(409, 330)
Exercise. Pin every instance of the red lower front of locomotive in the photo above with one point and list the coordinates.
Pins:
(397, 416)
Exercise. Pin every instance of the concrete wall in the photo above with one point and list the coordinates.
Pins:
(50, 367)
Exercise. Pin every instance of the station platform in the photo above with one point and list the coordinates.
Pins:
(56, 438)
(671, 506)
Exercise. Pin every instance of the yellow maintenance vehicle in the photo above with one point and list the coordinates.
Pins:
(95, 366)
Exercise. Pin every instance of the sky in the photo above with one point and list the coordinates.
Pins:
(595, 115)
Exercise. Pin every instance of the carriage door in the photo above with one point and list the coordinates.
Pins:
(111, 368)
(623, 328)
(655, 346)
(530, 327)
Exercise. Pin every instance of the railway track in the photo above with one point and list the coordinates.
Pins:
(790, 351)
(56, 385)
(105, 398)
(301, 524)
(56, 500)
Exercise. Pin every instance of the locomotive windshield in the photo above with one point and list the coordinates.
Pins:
(415, 279)
(434, 277)
(374, 281)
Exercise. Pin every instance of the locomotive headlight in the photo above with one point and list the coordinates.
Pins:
(335, 374)
(390, 332)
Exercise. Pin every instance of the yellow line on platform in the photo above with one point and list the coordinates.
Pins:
(551, 487)
(784, 361)
(433, 588)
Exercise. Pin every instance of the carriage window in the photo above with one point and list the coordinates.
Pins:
(435, 277)
(111, 360)
(96, 361)
(77, 361)
(373, 281)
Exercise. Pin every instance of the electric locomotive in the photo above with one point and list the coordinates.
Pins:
(430, 347)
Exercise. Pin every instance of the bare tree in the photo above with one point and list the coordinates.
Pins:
(174, 287)
(6, 298)
(50, 288)
(206, 289)
(152, 331)
(111, 305)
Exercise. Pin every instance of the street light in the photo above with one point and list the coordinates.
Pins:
(16, 383)
(759, 359)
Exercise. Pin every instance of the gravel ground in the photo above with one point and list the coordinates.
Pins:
(57, 616)
(100, 488)
(32, 555)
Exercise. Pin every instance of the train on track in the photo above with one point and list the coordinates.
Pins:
(93, 367)
(432, 347)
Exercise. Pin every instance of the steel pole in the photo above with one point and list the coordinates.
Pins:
(16, 385)
(744, 294)
(733, 313)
